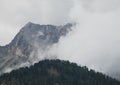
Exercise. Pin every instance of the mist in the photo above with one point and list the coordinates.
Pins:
(94, 41)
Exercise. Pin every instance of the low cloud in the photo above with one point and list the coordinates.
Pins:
(95, 40)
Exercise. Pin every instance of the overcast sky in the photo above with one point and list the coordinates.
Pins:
(16, 13)
(95, 41)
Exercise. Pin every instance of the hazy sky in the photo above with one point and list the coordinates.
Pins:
(16, 13)
(95, 41)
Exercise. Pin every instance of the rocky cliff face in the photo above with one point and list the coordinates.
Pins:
(26, 43)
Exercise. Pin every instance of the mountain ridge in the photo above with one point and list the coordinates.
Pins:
(30, 39)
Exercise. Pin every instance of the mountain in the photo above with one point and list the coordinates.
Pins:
(56, 72)
(32, 40)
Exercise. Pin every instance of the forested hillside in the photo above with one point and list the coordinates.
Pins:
(56, 72)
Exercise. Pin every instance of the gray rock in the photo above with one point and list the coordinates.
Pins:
(30, 38)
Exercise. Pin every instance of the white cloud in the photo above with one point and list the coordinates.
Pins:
(95, 41)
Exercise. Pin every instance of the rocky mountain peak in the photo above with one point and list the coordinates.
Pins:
(30, 38)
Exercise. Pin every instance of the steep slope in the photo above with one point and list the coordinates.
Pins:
(56, 72)
(31, 39)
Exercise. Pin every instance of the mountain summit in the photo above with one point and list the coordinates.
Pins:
(24, 47)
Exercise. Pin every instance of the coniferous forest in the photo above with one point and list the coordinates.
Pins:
(56, 72)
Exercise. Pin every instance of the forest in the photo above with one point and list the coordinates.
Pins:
(56, 72)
